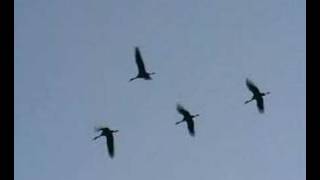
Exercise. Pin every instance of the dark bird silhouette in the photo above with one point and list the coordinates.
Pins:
(257, 95)
(187, 117)
(142, 73)
(108, 133)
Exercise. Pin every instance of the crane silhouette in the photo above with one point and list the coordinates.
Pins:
(257, 95)
(142, 73)
(187, 117)
(108, 133)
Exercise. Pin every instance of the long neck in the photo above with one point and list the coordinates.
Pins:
(263, 94)
(195, 115)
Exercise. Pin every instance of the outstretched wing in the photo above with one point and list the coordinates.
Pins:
(139, 61)
(260, 104)
(110, 145)
(190, 125)
(182, 110)
(252, 87)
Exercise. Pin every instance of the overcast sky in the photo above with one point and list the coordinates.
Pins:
(73, 60)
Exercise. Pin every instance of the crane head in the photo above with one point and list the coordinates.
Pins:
(115, 131)
(265, 93)
(196, 115)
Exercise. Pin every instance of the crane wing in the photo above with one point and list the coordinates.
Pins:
(110, 145)
(190, 125)
(260, 104)
(182, 110)
(252, 87)
(139, 61)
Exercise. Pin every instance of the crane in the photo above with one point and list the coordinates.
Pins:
(187, 117)
(142, 73)
(108, 133)
(257, 95)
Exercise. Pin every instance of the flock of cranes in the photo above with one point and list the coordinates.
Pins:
(187, 117)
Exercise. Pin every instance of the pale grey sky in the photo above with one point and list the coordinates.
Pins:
(73, 60)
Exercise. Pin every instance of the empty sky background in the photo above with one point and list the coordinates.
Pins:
(73, 60)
